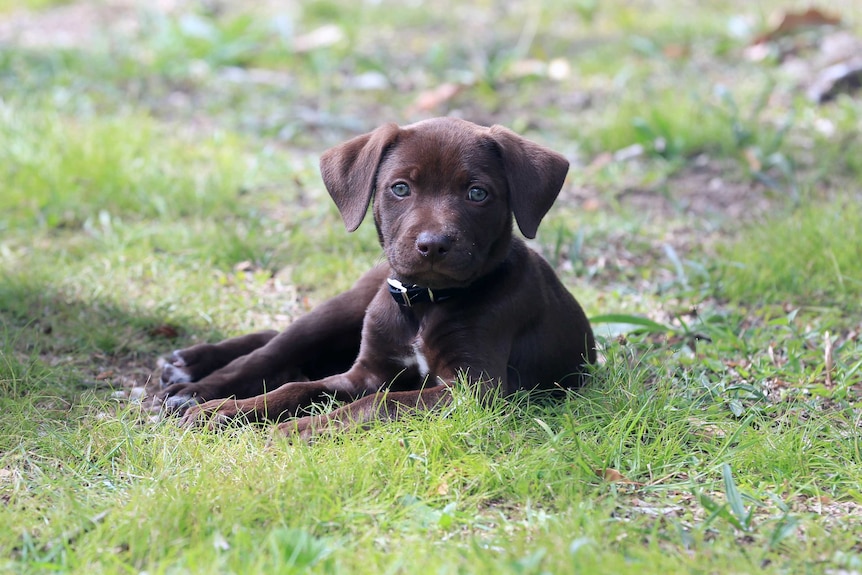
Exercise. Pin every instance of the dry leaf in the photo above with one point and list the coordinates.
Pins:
(792, 22)
(600, 162)
(431, 99)
(591, 205)
(612, 476)
(165, 331)
(676, 51)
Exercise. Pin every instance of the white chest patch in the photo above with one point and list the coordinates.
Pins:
(417, 360)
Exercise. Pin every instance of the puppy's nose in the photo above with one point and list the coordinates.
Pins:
(433, 245)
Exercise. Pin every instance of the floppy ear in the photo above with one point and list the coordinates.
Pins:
(349, 170)
(535, 175)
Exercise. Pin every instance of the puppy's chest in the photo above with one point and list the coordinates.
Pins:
(421, 350)
(415, 358)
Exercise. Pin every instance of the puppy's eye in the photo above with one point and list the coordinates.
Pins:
(477, 195)
(400, 189)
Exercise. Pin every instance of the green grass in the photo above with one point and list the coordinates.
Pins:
(503, 487)
(811, 257)
(9, 5)
(159, 187)
(61, 173)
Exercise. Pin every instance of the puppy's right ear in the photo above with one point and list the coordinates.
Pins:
(349, 171)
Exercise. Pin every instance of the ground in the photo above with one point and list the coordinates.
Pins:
(159, 187)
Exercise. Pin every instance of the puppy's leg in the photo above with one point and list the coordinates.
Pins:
(287, 401)
(392, 405)
(321, 342)
(196, 362)
(367, 375)
(383, 406)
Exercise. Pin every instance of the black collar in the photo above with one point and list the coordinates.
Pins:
(406, 296)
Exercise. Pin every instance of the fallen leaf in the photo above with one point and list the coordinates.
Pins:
(591, 205)
(613, 476)
(105, 375)
(165, 331)
(792, 22)
(676, 51)
(244, 266)
(431, 99)
(599, 162)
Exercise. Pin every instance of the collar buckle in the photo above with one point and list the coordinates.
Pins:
(399, 292)
(406, 296)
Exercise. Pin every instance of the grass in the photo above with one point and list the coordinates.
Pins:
(448, 488)
(811, 255)
(9, 5)
(159, 187)
(61, 173)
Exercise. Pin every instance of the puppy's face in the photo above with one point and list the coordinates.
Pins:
(445, 192)
(442, 206)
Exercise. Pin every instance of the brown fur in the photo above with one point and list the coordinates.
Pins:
(509, 325)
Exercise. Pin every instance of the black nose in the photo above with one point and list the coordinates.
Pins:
(433, 245)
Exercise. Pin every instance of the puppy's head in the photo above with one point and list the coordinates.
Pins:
(445, 192)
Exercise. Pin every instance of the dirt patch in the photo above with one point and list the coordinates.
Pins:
(703, 190)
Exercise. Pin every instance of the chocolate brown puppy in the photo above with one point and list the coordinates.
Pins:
(459, 293)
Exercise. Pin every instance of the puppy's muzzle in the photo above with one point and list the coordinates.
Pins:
(433, 246)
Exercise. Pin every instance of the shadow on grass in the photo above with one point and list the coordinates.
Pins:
(51, 340)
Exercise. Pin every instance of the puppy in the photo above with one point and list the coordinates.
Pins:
(459, 293)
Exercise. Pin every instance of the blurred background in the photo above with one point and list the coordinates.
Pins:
(597, 76)
(194, 127)
(159, 187)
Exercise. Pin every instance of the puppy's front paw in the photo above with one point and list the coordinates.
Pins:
(215, 413)
(175, 399)
(296, 429)
(174, 370)
(179, 403)
(192, 363)
(308, 428)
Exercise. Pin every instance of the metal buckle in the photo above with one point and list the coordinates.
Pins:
(394, 283)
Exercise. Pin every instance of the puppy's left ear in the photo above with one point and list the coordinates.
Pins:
(535, 175)
(349, 171)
